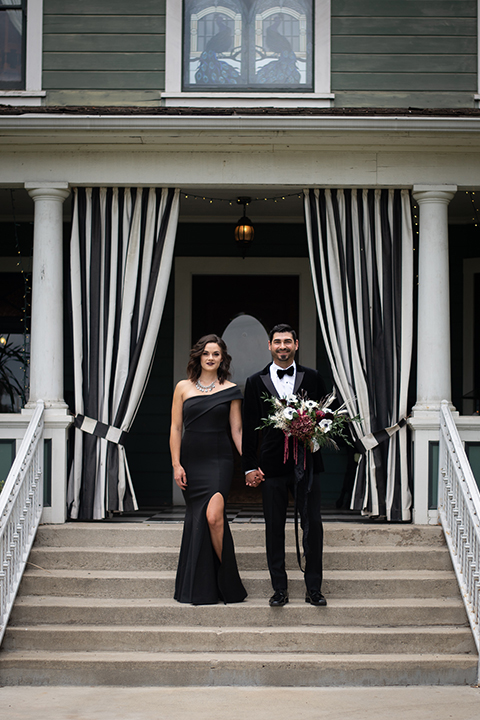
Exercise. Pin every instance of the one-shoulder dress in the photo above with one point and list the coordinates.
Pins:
(206, 456)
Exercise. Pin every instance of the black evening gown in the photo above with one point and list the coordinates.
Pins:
(206, 456)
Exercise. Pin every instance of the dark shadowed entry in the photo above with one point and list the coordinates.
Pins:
(218, 299)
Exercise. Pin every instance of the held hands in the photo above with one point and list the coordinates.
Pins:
(254, 478)
(180, 477)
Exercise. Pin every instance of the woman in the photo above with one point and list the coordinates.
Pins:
(208, 405)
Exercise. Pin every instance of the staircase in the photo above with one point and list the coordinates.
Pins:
(95, 607)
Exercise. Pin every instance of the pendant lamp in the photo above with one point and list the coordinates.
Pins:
(244, 231)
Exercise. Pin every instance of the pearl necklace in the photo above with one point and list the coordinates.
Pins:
(205, 388)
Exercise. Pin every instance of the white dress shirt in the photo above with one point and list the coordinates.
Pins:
(285, 385)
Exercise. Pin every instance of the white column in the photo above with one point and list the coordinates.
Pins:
(46, 342)
(433, 364)
(433, 351)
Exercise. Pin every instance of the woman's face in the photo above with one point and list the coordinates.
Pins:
(211, 357)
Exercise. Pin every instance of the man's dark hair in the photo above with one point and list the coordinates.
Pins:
(282, 328)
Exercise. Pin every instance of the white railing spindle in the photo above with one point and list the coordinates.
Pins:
(21, 502)
(459, 511)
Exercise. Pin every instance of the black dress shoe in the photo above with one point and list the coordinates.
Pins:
(315, 597)
(279, 598)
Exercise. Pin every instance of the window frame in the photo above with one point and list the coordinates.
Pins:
(19, 5)
(175, 96)
(32, 92)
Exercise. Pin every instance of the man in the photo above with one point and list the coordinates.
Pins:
(281, 378)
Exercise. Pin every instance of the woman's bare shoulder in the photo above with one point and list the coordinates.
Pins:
(183, 387)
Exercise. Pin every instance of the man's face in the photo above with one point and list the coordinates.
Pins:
(283, 348)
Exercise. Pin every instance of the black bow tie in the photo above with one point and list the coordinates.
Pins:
(289, 371)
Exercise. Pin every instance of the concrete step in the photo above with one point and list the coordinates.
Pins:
(95, 607)
(118, 535)
(241, 669)
(412, 612)
(286, 639)
(249, 558)
(341, 584)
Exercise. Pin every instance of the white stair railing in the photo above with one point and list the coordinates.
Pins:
(21, 502)
(459, 511)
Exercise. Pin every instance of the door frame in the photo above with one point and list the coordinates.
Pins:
(186, 267)
(471, 267)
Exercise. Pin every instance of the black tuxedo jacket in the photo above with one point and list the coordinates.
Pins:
(255, 409)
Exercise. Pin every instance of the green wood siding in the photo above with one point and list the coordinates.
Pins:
(413, 52)
(104, 51)
(384, 52)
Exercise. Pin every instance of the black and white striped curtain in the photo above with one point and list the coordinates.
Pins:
(361, 255)
(121, 257)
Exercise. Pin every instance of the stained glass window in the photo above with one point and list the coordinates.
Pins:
(248, 45)
(11, 44)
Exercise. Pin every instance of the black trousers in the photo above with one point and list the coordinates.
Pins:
(275, 494)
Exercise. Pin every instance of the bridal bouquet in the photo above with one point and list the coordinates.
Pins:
(307, 421)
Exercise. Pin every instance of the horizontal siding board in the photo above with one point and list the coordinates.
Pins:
(404, 26)
(417, 44)
(104, 7)
(97, 98)
(403, 81)
(404, 8)
(435, 99)
(110, 43)
(104, 61)
(405, 63)
(104, 24)
(103, 80)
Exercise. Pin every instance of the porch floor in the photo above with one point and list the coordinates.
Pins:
(236, 513)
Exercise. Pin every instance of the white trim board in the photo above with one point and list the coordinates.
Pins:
(471, 266)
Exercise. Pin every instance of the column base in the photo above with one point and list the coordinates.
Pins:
(57, 419)
(426, 410)
(49, 405)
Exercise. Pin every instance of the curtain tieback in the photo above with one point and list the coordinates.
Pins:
(373, 439)
(100, 429)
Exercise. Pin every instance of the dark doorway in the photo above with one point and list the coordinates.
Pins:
(218, 299)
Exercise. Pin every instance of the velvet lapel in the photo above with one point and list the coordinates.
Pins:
(298, 379)
(267, 381)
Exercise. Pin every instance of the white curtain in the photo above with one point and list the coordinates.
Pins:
(361, 255)
(15, 16)
(121, 257)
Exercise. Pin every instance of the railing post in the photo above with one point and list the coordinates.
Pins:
(20, 511)
(459, 512)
